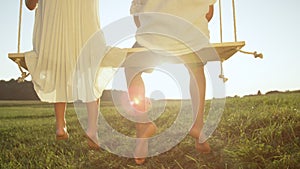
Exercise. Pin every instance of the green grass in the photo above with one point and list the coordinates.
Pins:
(255, 132)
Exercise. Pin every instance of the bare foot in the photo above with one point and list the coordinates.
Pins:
(145, 130)
(141, 150)
(62, 134)
(200, 147)
(93, 141)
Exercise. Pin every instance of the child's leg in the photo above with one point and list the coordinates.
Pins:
(61, 129)
(92, 129)
(136, 91)
(197, 90)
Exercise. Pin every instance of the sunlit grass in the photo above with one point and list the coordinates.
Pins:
(255, 132)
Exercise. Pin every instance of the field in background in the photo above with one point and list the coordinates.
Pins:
(255, 132)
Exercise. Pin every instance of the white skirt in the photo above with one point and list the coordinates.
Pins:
(62, 28)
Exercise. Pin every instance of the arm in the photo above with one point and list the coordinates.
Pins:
(31, 4)
(210, 13)
(136, 21)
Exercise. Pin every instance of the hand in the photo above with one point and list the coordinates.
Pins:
(31, 4)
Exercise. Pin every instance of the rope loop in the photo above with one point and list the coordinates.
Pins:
(255, 54)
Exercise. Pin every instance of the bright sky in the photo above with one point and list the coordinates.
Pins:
(268, 26)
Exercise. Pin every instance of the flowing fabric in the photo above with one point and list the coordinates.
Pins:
(163, 27)
(61, 30)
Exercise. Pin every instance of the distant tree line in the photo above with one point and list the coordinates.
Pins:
(12, 90)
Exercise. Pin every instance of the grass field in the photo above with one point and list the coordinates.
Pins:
(255, 132)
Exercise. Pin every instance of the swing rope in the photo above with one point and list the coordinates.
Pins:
(255, 54)
(20, 24)
(220, 18)
(18, 61)
(234, 20)
(222, 76)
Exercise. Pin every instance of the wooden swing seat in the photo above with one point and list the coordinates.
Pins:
(225, 50)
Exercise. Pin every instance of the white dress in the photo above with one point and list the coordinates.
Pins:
(176, 26)
(62, 28)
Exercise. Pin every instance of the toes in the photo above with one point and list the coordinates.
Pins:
(139, 161)
(203, 147)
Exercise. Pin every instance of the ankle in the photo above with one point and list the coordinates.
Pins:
(92, 133)
(195, 131)
(61, 130)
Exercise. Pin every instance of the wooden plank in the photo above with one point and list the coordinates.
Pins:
(19, 58)
(224, 50)
(228, 49)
